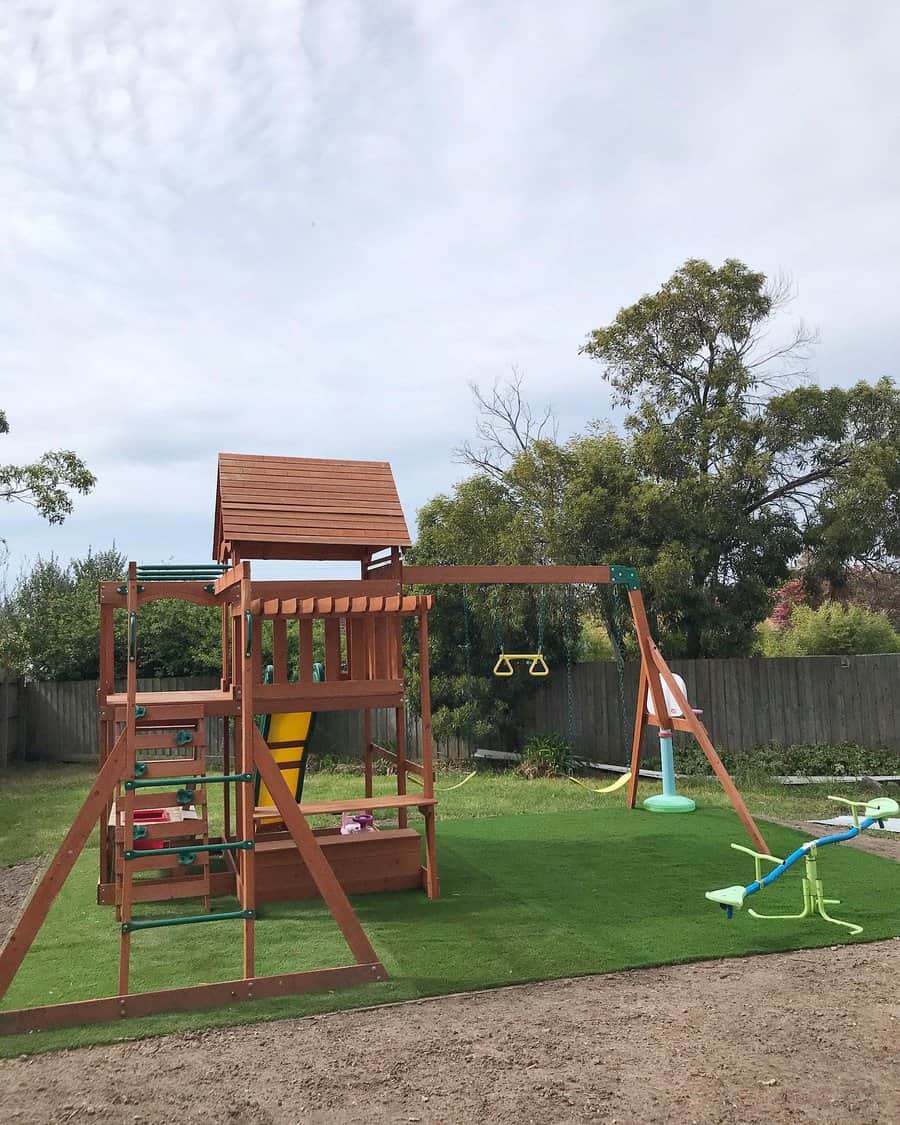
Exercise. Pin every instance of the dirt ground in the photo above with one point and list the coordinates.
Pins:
(810, 1036)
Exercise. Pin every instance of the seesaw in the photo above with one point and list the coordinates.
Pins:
(814, 900)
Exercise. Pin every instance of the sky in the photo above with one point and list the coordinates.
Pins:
(303, 228)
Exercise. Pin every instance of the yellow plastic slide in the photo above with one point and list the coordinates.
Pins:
(287, 737)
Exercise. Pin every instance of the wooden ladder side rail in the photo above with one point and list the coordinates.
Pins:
(25, 931)
(311, 853)
(700, 733)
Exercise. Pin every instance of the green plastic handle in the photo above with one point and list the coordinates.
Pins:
(248, 619)
(132, 636)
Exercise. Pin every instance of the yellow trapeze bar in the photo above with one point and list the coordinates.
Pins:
(537, 667)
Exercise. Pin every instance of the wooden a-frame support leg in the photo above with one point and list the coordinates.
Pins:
(700, 733)
(20, 940)
(640, 725)
(308, 846)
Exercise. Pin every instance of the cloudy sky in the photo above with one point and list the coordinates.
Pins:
(303, 226)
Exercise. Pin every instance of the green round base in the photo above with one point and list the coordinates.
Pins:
(662, 803)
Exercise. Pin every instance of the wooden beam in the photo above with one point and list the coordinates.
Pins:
(354, 804)
(187, 999)
(25, 931)
(391, 758)
(477, 575)
(308, 846)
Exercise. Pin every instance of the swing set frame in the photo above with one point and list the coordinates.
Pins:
(654, 674)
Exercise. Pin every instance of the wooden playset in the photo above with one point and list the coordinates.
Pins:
(152, 792)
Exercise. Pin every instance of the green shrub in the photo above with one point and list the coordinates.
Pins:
(830, 630)
(806, 759)
(546, 755)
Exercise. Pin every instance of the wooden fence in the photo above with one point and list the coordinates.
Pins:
(10, 689)
(745, 702)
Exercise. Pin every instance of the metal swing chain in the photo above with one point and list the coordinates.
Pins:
(542, 607)
(616, 617)
(495, 617)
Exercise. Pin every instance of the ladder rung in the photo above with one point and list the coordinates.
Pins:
(184, 920)
(179, 782)
(186, 849)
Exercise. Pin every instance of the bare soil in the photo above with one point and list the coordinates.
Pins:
(15, 883)
(810, 1036)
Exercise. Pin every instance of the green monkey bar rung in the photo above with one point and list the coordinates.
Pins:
(180, 782)
(184, 920)
(190, 849)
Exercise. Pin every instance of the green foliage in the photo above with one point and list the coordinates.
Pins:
(546, 755)
(49, 625)
(46, 484)
(832, 629)
(807, 759)
(733, 481)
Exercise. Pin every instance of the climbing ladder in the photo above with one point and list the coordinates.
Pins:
(177, 787)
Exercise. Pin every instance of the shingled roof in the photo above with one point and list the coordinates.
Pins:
(305, 508)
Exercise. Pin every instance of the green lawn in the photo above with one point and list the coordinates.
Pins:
(540, 880)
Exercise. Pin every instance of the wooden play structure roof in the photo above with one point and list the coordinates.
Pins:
(305, 508)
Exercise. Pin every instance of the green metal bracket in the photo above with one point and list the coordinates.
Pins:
(140, 770)
(187, 859)
(185, 797)
(625, 576)
(124, 589)
(184, 920)
(209, 588)
(192, 849)
(140, 712)
(140, 832)
(183, 737)
(170, 782)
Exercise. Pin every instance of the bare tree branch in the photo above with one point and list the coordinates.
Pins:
(506, 426)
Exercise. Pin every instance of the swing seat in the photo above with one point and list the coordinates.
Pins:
(732, 897)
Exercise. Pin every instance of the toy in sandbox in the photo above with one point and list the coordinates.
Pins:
(152, 794)
(814, 901)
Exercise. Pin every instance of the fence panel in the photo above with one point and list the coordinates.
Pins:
(10, 691)
(745, 703)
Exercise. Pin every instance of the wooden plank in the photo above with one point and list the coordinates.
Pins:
(332, 649)
(306, 651)
(187, 999)
(355, 804)
(485, 575)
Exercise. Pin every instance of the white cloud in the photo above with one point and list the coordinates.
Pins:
(302, 227)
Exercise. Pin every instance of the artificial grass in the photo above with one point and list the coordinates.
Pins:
(524, 898)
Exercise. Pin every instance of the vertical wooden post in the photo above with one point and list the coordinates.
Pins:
(432, 885)
(400, 722)
(367, 750)
(125, 801)
(106, 727)
(249, 634)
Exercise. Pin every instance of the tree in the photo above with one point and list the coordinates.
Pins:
(46, 483)
(832, 629)
(743, 470)
(506, 426)
(49, 625)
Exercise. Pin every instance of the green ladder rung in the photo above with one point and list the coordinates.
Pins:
(184, 920)
(190, 849)
(178, 782)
